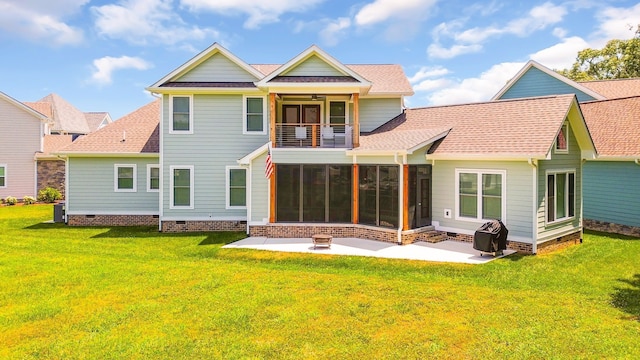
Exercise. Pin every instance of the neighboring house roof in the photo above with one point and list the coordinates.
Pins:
(96, 120)
(515, 128)
(614, 126)
(67, 118)
(41, 107)
(134, 133)
(614, 88)
(53, 143)
(34, 112)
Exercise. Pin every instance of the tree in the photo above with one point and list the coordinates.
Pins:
(616, 60)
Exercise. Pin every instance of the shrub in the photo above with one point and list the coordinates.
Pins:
(28, 200)
(10, 200)
(49, 195)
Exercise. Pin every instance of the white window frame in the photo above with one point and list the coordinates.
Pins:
(115, 177)
(564, 129)
(5, 176)
(555, 185)
(171, 130)
(479, 173)
(228, 187)
(172, 168)
(149, 167)
(245, 131)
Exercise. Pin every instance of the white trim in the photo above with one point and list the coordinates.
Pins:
(479, 173)
(565, 219)
(102, 212)
(171, 130)
(249, 194)
(6, 182)
(245, 119)
(67, 195)
(161, 163)
(204, 218)
(247, 159)
(149, 167)
(115, 177)
(191, 185)
(227, 188)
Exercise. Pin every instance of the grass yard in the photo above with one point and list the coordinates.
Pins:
(115, 293)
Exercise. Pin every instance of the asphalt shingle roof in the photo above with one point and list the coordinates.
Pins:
(614, 125)
(614, 88)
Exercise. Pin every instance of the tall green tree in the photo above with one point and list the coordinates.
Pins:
(616, 60)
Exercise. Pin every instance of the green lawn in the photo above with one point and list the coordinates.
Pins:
(115, 293)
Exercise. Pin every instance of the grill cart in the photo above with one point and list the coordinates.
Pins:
(491, 237)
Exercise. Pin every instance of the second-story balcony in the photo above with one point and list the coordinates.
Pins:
(314, 135)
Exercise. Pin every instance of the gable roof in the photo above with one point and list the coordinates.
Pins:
(505, 129)
(614, 126)
(534, 64)
(66, 117)
(133, 134)
(96, 119)
(199, 59)
(614, 88)
(24, 107)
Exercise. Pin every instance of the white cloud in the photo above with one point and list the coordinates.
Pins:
(41, 20)
(144, 21)
(435, 50)
(428, 72)
(105, 66)
(476, 89)
(258, 12)
(383, 10)
(616, 23)
(334, 31)
(561, 55)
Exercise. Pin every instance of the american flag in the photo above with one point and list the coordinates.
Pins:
(268, 169)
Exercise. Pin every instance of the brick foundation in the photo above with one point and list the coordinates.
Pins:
(560, 243)
(112, 220)
(187, 226)
(611, 227)
(51, 173)
(520, 247)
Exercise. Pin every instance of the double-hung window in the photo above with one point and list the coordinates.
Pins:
(181, 111)
(181, 185)
(254, 114)
(236, 188)
(561, 198)
(125, 178)
(153, 178)
(480, 194)
(3, 175)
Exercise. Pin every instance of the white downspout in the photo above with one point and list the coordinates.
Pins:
(249, 185)
(400, 195)
(637, 161)
(534, 246)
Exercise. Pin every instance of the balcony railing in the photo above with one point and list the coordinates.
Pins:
(314, 135)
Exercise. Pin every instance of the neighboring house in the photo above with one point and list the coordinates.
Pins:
(21, 136)
(348, 160)
(612, 112)
(113, 176)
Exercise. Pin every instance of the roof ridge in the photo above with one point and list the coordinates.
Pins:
(612, 99)
(495, 101)
(607, 80)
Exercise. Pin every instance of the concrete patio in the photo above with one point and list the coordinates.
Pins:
(445, 251)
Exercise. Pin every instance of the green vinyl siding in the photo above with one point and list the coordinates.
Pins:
(375, 112)
(217, 68)
(313, 66)
(537, 83)
(91, 187)
(217, 142)
(559, 163)
(519, 196)
(612, 192)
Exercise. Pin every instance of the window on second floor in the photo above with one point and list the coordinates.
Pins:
(125, 178)
(254, 114)
(181, 112)
(338, 115)
(562, 140)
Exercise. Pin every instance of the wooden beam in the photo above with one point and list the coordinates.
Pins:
(405, 197)
(354, 195)
(356, 120)
(272, 197)
(272, 119)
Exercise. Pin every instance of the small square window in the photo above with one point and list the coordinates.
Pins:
(125, 178)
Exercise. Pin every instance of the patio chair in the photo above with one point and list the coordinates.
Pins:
(328, 137)
(301, 134)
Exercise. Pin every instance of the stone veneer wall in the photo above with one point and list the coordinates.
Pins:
(112, 220)
(611, 227)
(51, 173)
(185, 226)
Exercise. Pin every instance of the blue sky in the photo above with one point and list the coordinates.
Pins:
(101, 54)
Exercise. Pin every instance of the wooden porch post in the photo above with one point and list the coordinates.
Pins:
(354, 195)
(272, 119)
(356, 120)
(405, 198)
(272, 197)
